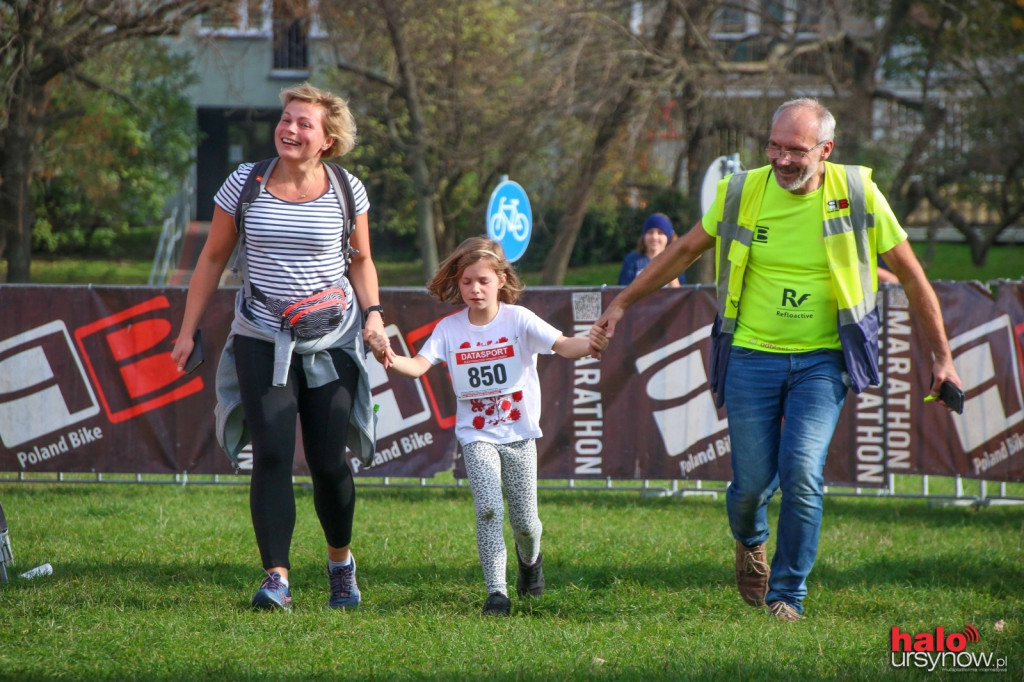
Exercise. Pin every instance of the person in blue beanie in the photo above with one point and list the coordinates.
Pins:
(656, 234)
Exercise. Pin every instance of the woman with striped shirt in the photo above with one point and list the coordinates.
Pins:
(293, 247)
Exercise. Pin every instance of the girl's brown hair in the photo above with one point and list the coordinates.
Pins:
(445, 284)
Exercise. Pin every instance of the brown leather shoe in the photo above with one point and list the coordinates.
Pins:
(784, 611)
(752, 573)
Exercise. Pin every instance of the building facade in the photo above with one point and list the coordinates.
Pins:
(245, 54)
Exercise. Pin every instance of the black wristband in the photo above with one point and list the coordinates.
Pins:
(379, 308)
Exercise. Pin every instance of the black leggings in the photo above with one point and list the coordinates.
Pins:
(270, 413)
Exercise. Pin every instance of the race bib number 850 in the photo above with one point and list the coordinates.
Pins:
(486, 370)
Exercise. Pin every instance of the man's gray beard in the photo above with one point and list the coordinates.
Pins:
(800, 180)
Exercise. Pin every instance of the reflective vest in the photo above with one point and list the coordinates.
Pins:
(849, 237)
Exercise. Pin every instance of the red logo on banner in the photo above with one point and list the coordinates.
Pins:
(403, 404)
(1018, 332)
(418, 336)
(136, 342)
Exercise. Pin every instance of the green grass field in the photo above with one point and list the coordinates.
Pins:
(152, 582)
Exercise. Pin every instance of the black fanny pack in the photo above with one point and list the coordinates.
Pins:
(310, 317)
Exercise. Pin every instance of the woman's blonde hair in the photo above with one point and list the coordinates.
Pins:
(338, 121)
(445, 284)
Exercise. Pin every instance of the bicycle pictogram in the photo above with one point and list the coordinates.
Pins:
(509, 219)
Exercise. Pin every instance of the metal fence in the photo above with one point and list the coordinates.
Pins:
(179, 211)
(937, 490)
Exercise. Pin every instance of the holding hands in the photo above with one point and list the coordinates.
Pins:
(604, 329)
(380, 344)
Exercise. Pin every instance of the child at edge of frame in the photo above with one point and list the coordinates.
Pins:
(491, 348)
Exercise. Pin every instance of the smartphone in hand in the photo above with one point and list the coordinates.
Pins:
(951, 395)
(195, 358)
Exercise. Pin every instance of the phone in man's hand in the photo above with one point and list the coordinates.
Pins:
(195, 358)
(951, 395)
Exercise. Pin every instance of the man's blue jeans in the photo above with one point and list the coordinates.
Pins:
(783, 409)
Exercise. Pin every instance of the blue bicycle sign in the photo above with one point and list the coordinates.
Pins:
(509, 219)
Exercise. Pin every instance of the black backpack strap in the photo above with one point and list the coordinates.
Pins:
(252, 188)
(343, 188)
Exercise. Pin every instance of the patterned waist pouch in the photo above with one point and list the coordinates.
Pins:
(310, 317)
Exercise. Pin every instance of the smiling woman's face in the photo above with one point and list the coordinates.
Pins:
(300, 133)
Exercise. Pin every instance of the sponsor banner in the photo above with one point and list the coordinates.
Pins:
(416, 417)
(644, 410)
(986, 335)
(87, 382)
(87, 385)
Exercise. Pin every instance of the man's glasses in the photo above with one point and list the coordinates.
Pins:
(774, 151)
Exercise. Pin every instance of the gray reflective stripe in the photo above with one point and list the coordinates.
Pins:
(733, 195)
(837, 226)
(858, 312)
(860, 218)
(857, 219)
(856, 222)
(722, 284)
(858, 201)
(729, 230)
(735, 233)
(729, 233)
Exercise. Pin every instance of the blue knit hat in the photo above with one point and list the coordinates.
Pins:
(661, 222)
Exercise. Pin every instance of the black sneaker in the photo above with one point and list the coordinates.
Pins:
(497, 604)
(531, 577)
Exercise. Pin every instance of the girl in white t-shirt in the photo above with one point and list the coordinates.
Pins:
(491, 348)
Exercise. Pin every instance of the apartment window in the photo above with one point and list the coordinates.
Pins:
(808, 17)
(293, 21)
(774, 12)
(242, 17)
(731, 19)
(767, 17)
(800, 17)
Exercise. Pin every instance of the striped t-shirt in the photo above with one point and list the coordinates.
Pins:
(293, 249)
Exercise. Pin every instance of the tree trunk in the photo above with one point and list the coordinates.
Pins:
(422, 188)
(424, 213)
(702, 271)
(17, 209)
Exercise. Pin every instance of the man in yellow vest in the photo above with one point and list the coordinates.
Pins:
(798, 240)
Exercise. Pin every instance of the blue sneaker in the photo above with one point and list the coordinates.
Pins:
(344, 591)
(273, 594)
